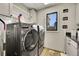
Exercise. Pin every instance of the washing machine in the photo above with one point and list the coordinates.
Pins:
(41, 41)
(21, 40)
(41, 35)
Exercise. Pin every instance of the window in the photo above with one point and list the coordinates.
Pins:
(51, 21)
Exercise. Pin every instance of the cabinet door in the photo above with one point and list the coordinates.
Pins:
(71, 47)
(67, 46)
(4, 8)
(73, 51)
(67, 49)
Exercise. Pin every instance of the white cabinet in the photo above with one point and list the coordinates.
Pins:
(73, 50)
(4, 8)
(71, 47)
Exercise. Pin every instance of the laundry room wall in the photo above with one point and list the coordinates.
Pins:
(33, 16)
(20, 9)
(28, 15)
(14, 10)
(56, 39)
(77, 15)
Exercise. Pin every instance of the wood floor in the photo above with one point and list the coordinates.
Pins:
(50, 52)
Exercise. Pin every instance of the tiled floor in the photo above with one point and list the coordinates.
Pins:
(50, 52)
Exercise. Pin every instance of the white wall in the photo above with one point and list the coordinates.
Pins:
(77, 15)
(16, 10)
(56, 39)
(33, 16)
(4, 8)
(28, 16)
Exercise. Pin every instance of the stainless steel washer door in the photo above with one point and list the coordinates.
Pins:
(31, 40)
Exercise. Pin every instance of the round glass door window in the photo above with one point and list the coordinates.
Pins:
(31, 40)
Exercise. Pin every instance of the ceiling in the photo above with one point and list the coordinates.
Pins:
(38, 6)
